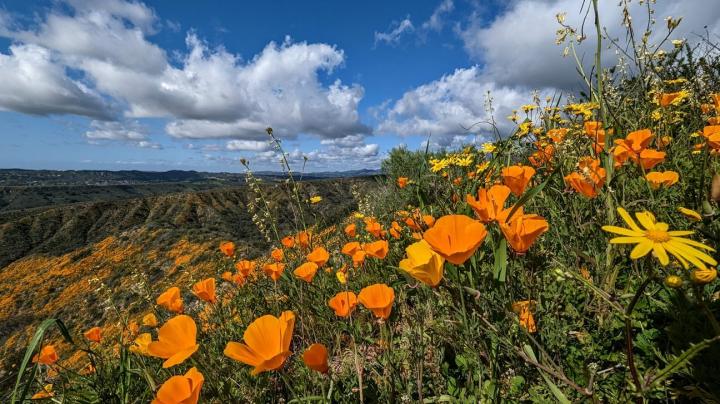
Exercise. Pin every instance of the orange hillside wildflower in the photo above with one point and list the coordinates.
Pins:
(351, 248)
(149, 320)
(376, 249)
(245, 267)
(319, 256)
(665, 99)
(46, 392)
(47, 356)
(522, 309)
(557, 135)
(373, 227)
(522, 230)
(378, 298)
(303, 238)
(343, 303)
(266, 343)
(658, 179)
(316, 358)
(181, 389)
(456, 237)
(358, 258)
(141, 343)
(274, 270)
(277, 254)
(288, 241)
(306, 271)
(489, 202)
(351, 230)
(711, 133)
(227, 248)
(205, 290)
(93, 334)
(650, 158)
(595, 131)
(631, 147)
(423, 264)
(171, 300)
(590, 178)
(176, 341)
(402, 182)
(517, 178)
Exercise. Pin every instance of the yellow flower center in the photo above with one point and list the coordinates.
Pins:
(657, 236)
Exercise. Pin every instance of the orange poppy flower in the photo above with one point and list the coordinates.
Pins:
(181, 389)
(523, 229)
(133, 327)
(376, 249)
(658, 179)
(319, 256)
(226, 276)
(227, 248)
(239, 279)
(274, 270)
(351, 248)
(650, 158)
(489, 202)
(373, 228)
(665, 99)
(93, 334)
(288, 241)
(589, 180)
(558, 134)
(543, 155)
(712, 135)
(358, 258)
(245, 267)
(351, 230)
(306, 271)
(141, 343)
(266, 343)
(631, 147)
(423, 264)
(394, 233)
(316, 358)
(171, 300)
(378, 298)
(205, 290)
(277, 254)
(46, 392)
(522, 309)
(456, 237)
(402, 182)
(149, 320)
(343, 303)
(176, 341)
(517, 178)
(303, 238)
(595, 131)
(47, 356)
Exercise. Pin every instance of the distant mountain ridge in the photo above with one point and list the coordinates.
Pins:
(23, 177)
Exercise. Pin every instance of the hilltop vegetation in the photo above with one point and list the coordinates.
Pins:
(571, 260)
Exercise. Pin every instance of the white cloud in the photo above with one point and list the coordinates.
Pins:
(33, 82)
(208, 93)
(518, 47)
(436, 22)
(248, 145)
(396, 31)
(100, 130)
(449, 106)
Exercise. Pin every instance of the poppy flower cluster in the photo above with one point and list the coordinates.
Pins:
(635, 148)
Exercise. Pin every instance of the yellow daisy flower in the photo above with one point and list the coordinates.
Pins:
(654, 236)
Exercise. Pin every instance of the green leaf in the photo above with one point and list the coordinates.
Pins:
(32, 346)
(500, 265)
(681, 361)
(554, 389)
(527, 196)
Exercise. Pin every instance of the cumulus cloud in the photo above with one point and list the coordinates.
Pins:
(130, 132)
(447, 107)
(209, 93)
(516, 54)
(530, 57)
(395, 32)
(34, 83)
(248, 145)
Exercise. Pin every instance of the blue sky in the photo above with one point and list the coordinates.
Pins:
(160, 85)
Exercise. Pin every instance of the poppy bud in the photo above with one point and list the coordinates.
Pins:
(673, 281)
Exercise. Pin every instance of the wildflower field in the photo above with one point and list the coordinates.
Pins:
(572, 259)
